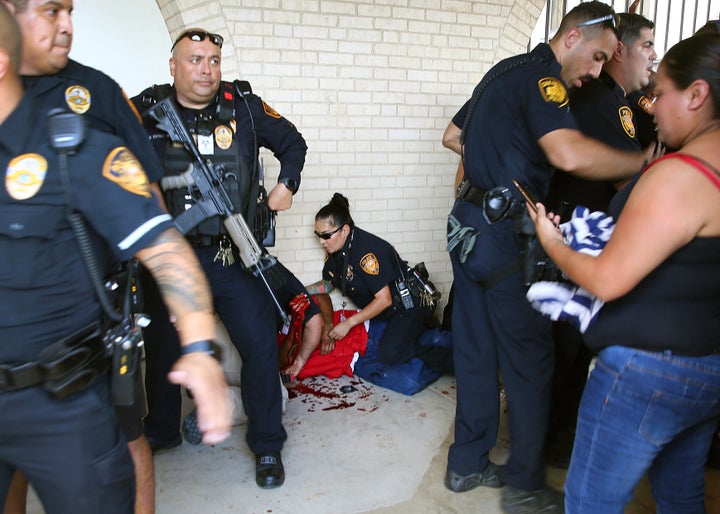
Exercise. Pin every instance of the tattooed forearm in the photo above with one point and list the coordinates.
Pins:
(323, 286)
(178, 274)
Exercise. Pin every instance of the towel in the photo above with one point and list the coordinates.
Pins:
(586, 232)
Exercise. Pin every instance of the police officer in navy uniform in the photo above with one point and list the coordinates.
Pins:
(369, 271)
(519, 127)
(603, 111)
(56, 81)
(230, 124)
(66, 440)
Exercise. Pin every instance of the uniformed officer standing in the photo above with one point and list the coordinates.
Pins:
(56, 81)
(369, 271)
(230, 124)
(66, 439)
(602, 111)
(519, 127)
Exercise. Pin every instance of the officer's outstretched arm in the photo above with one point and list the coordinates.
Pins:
(571, 151)
(186, 292)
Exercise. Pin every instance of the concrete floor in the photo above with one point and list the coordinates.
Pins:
(367, 451)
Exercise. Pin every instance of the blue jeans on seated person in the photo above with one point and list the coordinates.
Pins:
(644, 412)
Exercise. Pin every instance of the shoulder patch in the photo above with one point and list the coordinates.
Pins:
(25, 175)
(270, 111)
(123, 168)
(78, 99)
(626, 120)
(552, 90)
(645, 103)
(370, 264)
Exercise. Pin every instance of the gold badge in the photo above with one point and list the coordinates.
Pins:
(25, 175)
(123, 168)
(626, 120)
(370, 264)
(270, 111)
(645, 103)
(223, 137)
(552, 90)
(78, 99)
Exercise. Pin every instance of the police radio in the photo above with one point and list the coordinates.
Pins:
(124, 337)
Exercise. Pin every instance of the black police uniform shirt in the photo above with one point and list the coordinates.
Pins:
(366, 264)
(271, 129)
(516, 110)
(45, 288)
(602, 112)
(87, 91)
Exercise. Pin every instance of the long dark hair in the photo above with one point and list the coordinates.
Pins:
(337, 212)
(697, 57)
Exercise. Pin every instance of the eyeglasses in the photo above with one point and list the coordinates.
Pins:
(601, 19)
(327, 235)
(199, 35)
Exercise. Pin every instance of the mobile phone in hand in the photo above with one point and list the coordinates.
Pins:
(527, 194)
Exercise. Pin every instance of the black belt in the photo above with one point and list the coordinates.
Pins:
(63, 367)
(203, 241)
(469, 193)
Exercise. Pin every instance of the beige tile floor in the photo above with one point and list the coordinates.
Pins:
(369, 451)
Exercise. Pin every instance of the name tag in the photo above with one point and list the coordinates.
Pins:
(206, 145)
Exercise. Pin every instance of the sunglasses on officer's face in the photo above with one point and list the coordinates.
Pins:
(199, 35)
(327, 235)
(601, 19)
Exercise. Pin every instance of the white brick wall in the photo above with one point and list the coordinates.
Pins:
(371, 85)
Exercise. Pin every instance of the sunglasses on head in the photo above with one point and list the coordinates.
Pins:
(601, 19)
(199, 35)
(327, 235)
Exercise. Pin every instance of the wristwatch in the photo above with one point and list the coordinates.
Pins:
(209, 347)
(290, 183)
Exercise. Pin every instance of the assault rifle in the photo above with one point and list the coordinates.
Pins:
(214, 199)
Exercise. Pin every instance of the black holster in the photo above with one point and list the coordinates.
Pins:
(72, 364)
(535, 264)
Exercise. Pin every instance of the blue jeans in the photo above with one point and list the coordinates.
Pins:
(644, 412)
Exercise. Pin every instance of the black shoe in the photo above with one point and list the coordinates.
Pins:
(269, 471)
(541, 501)
(490, 477)
(157, 445)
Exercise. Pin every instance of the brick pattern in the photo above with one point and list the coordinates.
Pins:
(371, 85)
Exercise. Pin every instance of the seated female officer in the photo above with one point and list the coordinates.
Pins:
(369, 272)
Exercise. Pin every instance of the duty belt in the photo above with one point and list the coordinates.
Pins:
(497, 203)
(62, 368)
(469, 193)
(203, 241)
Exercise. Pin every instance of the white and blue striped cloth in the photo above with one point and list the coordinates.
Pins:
(586, 232)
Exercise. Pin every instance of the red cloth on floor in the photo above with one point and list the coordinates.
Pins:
(335, 363)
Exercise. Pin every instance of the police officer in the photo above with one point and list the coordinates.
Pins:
(519, 127)
(57, 81)
(603, 112)
(66, 440)
(230, 124)
(369, 271)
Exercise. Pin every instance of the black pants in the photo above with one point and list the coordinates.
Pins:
(399, 342)
(71, 450)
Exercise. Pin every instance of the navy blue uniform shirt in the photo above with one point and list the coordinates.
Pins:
(89, 92)
(366, 262)
(515, 111)
(45, 289)
(602, 112)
